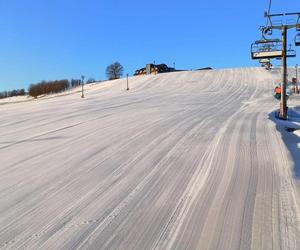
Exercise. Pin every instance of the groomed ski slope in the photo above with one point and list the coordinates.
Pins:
(186, 160)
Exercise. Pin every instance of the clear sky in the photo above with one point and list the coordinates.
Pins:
(58, 39)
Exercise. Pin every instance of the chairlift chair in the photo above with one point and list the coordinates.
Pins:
(264, 60)
(297, 40)
(263, 49)
(291, 53)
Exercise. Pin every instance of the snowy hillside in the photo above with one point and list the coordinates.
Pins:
(186, 160)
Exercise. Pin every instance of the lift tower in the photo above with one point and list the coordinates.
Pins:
(259, 50)
(284, 29)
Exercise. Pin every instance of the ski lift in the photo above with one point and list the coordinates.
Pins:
(264, 60)
(290, 52)
(266, 48)
(267, 31)
(266, 63)
(297, 40)
(298, 23)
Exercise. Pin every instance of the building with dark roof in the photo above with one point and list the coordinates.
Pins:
(153, 69)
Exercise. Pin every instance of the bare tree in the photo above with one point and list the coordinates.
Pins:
(114, 71)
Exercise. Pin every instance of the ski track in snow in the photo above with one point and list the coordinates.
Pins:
(184, 160)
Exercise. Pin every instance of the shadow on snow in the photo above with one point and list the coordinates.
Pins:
(290, 133)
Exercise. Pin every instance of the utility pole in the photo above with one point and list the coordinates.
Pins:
(127, 82)
(82, 83)
(296, 90)
(283, 104)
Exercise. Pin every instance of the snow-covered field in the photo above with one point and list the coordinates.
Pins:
(189, 160)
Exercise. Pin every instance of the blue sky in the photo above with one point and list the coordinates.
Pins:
(58, 39)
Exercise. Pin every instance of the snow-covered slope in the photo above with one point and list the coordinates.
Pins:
(186, 160)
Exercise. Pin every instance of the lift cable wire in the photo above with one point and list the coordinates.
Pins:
(268, 13)
(266, 30)
(270, 5)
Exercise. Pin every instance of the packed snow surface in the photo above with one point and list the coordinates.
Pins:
(187, 160)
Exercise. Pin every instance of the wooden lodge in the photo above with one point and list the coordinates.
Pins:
(153, 69)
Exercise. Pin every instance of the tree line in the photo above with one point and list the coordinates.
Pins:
(15, 92)
(113, 71)
(57, 86)
(48, 87)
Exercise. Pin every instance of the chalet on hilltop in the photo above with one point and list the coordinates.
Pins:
(153, 69)
(160, 68)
